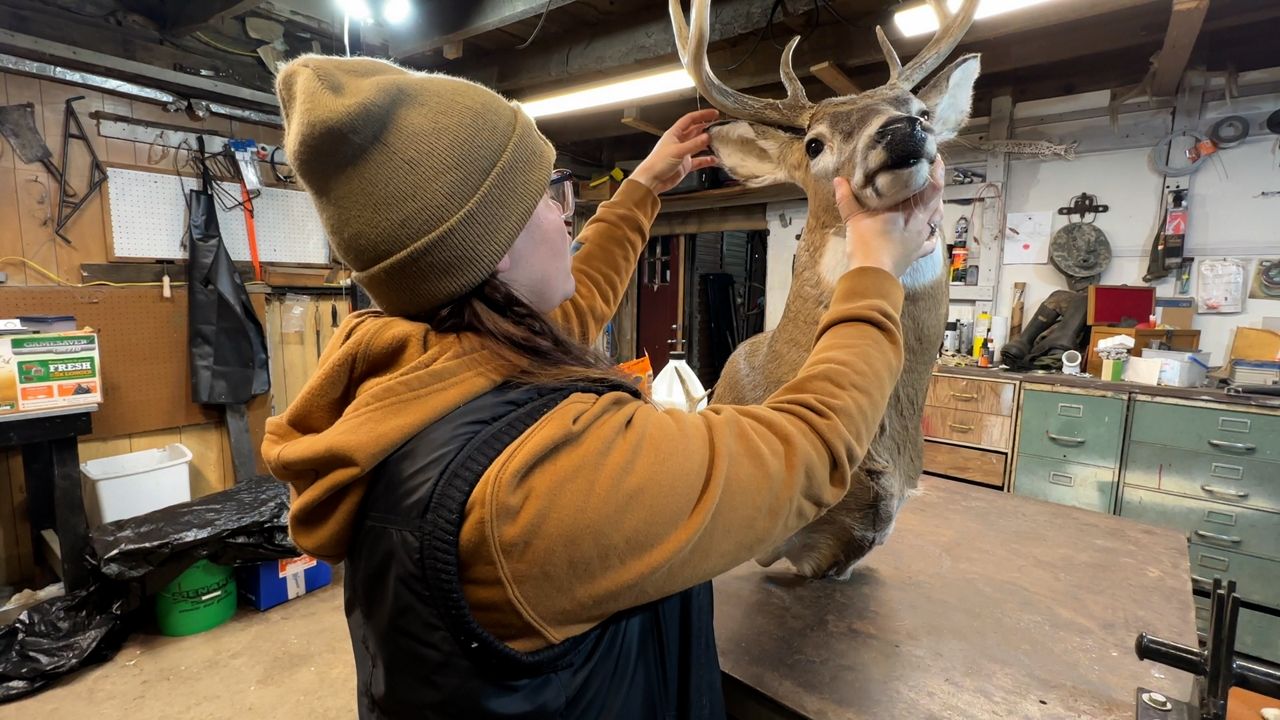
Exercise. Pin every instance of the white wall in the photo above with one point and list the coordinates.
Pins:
(786, 221)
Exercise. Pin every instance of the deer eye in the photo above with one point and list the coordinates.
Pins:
(813, 148)
(925, 115)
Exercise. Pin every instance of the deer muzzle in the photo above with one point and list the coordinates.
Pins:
(905, 142)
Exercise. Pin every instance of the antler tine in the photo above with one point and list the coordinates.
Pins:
(890, 55)
(795, 90)
(951, 28)
(691, 45)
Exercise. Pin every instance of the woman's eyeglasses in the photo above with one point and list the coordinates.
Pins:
(561, 191)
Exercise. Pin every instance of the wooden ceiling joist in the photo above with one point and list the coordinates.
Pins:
(833, 77)
(1184, 28)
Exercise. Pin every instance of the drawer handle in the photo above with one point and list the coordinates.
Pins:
(1224, 491)
(1069, 481)
(964, 396)
(1064, 438)
(961, 428)
(1225, 445)
(1216, 536)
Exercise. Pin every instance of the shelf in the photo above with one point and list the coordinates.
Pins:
(972, 292)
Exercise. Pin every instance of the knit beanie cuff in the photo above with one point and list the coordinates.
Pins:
(459, 256)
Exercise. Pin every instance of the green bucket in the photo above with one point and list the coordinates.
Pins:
(202, 598)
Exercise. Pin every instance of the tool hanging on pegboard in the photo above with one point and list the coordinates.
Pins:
(68, 207)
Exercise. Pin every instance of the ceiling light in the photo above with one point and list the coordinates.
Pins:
(920, 19)
(614, 93)
(355, 9)
(396, 11)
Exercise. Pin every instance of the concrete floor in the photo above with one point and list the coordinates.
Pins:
(291, 662)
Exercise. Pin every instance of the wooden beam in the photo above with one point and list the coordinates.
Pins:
(650, 44)
(184, 17)
(452, 51)
(631, 118)
(833, 77)
(451, 22)
(1184, 28)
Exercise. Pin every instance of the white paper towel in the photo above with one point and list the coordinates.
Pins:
(999, 334)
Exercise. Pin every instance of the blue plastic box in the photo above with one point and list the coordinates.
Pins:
(268, 584)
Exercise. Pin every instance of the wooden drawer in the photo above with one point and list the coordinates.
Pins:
(1207, 523)
(1257, 579)
(984, 396)
(1077, 428)
(1256, 634)
(1239, 481)
(1221, 431)
(992, 431)
(1082, 486)
(965, 463)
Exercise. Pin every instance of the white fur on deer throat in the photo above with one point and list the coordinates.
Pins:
(922, 272)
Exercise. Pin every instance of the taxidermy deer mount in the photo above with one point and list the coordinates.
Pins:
(884, 140)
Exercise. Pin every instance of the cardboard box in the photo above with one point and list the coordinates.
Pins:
(1178, 312)
(1113, 370)
(268, 584)
(1175, 339)
(1113, 304)
(47, 371)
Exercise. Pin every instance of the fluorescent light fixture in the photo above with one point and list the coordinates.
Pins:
(621, 91)
(397, 11)
(920, 19)
(355, 9)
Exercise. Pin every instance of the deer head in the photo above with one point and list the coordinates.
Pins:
(883, 139)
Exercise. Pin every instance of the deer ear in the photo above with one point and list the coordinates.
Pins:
(949, 96)
(753, 153)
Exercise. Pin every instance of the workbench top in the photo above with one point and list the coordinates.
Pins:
(1091, 383)
(981, 605)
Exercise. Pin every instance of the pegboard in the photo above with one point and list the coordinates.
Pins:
(149, 219)
(146, 377)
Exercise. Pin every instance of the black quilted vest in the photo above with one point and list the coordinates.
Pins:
(419, 652)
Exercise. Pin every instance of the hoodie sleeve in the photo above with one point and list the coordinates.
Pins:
(609, 502)
(611, 244)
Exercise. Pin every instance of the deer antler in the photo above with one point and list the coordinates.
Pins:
(951, 27)
(691, 44)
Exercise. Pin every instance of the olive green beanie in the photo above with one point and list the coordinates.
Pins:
(423, 181)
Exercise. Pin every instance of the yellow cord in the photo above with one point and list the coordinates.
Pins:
(210, 42)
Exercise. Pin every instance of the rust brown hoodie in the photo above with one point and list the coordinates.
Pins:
(607, 502)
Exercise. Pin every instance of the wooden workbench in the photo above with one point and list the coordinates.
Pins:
(980, 605)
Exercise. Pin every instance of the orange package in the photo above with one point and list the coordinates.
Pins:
(640, 372)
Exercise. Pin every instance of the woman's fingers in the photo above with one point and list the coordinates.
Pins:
(846, 203)
(694, 146)
(704, 161)
(682, 126)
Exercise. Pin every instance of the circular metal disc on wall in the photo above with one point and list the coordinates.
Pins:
(1081, 252)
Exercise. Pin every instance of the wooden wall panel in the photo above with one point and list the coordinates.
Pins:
(208, 474)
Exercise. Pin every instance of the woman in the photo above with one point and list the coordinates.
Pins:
(524, 535)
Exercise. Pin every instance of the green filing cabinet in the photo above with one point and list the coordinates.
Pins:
(1069, 443)
(1212, 470)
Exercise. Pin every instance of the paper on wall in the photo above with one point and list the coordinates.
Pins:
(1026, 238)
(1221, 286)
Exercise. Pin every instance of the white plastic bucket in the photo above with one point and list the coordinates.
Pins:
(125, 486)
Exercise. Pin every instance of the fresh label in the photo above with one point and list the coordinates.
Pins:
(42, 371)
(54, 343)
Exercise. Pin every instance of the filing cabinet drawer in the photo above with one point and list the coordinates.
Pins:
(1207, 523)
(1077, 428)
(975, 428)
(1225, 431)
(1257, 579)
(984, 396)
(1239, 481)
(1256, 634)
(1082, 486)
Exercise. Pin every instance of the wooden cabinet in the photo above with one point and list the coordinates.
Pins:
(1142, 339)
(968, 427)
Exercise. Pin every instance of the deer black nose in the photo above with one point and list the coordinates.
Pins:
(900, 128)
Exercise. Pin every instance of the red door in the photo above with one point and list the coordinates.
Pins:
(658, 298)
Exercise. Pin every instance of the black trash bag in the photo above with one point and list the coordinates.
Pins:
(246, 524)
(58, 637)
(132, 559)
(228, 345)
